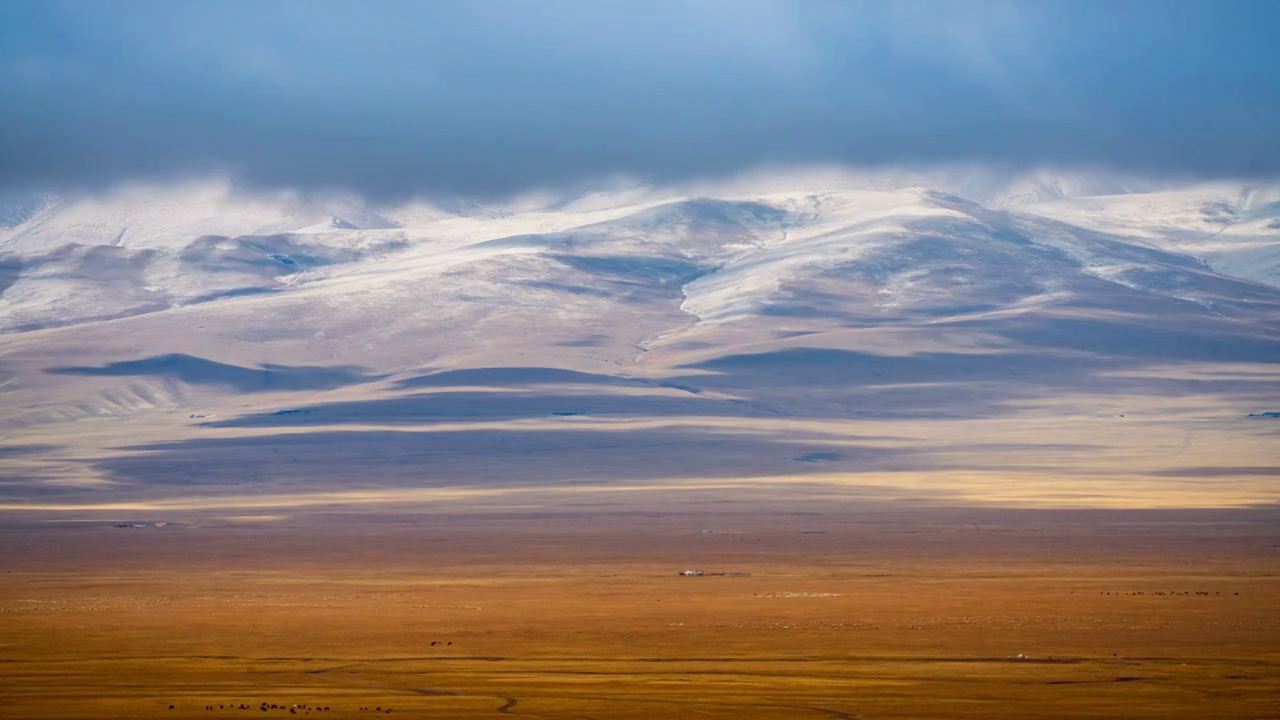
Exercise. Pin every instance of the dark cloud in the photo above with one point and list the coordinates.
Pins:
(489, 97)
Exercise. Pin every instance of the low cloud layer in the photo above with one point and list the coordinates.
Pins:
(495, 97)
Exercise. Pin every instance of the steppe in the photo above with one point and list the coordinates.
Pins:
(550, 609)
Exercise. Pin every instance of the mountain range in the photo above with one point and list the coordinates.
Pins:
(890, 330)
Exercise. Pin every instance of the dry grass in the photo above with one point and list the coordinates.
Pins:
(880, 612)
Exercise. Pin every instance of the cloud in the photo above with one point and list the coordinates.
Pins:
(495, 96)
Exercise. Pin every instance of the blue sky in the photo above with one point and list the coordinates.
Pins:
(484, 97)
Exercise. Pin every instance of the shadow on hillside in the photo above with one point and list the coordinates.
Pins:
(199, 371)
(10, 271)
(9, 451)
(1173, 340)
(968, 385)
(515, 376)
(355, 459)
(494, 406)
(816, 383)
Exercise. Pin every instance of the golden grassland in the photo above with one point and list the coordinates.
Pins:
(867, 611)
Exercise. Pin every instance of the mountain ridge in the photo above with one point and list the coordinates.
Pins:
(886, 325)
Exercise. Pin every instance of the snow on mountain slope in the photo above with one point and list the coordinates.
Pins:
(987, 186)
(1037, 186)
(829, 230)
(142, 249)
(1233, 228)
(18, 207)
(162, 217)
(862, 245)
(833, 248)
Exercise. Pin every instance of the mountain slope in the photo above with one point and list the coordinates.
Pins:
(771, 321)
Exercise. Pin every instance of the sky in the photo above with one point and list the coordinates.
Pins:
(489, 97)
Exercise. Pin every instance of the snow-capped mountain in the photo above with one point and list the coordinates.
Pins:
(825, 296)
(884, 242)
